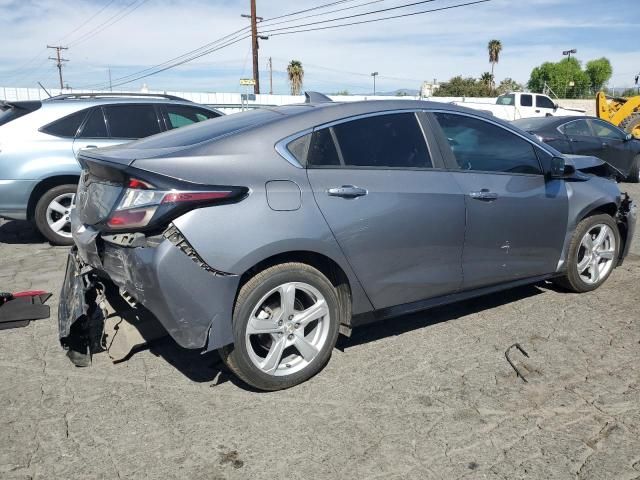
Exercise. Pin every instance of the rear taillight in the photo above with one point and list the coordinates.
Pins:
(141, 203)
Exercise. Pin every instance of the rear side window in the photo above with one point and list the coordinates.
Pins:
(544, 102)
(67, 126)
(132, 121)
(322, 150)
(604, 130)
(381, 141)
(482, 146)
(526, 100)
(577, 128)
(182, 115)
(94, 127)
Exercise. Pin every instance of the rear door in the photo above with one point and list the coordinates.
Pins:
(396, 213)
(516, 219)
(581, 138)
(615, 149)
(526, 106)
(93, 132)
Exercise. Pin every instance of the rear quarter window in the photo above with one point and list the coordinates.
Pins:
(66, 127)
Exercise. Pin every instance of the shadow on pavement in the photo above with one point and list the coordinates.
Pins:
(209, 367)
(19, 232)
(406, 323)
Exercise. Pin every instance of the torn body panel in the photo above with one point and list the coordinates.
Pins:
(192, 303)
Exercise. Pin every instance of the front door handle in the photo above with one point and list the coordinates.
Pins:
(90, 146)
(484, 194)
(605, 144)
(347, 191)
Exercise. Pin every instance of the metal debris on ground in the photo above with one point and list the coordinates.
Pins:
(506, 355)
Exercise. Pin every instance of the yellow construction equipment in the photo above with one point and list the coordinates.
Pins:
(622, 112)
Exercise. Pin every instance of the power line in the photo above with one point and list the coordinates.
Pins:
(178, 60)
(322, 14)
(126, 11)
(87, 21)
(370, 20)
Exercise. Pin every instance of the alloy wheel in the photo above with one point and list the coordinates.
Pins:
(287, 329)
(596, 253)
(58, 214)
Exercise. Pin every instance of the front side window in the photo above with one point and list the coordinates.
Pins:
(483, 146)
(182, 115)
(603, 130)
(94, 127)
(544, 102)
(132, 121)
(526, 100)
(66, 127)
(577, 128)
(383, 141)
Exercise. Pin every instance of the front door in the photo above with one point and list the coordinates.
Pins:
(616, 150)
(399, 221)
(581, 138)
(516, 219)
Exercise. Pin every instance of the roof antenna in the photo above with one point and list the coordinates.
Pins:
(45, 90)
(316, 97)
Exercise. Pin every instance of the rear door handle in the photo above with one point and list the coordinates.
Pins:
(484, 194)
(347, 191)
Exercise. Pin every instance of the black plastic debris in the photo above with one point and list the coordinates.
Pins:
(19, 309)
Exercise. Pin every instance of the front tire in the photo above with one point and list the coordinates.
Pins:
(285, 325)
(593, 254)
(52, 214)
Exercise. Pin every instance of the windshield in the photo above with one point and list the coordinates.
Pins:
(533, 123)
(11, 111)
(509, 99)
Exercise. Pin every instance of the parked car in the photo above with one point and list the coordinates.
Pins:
(39, 141)
(265, 233)
(589, 136)
(515, 105)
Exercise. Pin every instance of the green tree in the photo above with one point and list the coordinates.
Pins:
(463, 87)
(494, 47)
(509, 85)
(487, 79)
(599, 72)
(566, 78)
(295, 72)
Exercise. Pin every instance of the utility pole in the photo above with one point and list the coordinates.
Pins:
(271, 77)
(110, 87)
(374, 75)
(58, 59)
(254, 44)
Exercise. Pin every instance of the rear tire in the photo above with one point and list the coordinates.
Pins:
(590, 259)
(285, 325)
(52, 214)
(634, 173)
(631, 124)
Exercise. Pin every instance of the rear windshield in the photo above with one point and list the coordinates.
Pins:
(509, 99)
(11, 111)
(201, 132)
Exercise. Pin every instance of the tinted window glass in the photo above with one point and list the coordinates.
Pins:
(577, 128)
(393, 140)
(322, 149)
(544, 102)
(535, 123)
(182, 115)
(526, 100)
(224, 125)
(132, 121)
(95, 126)
(604, 130)
(506, 99)
(483, 146)
(67, 126)
(298, 148)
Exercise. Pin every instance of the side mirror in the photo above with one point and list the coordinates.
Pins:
(561, 169)
(556, 107)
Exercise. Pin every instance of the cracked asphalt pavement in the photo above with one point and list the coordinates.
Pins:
(424, 396)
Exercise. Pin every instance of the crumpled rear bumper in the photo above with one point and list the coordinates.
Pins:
(194, 304)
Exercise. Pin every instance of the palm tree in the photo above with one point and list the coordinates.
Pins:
(296, 76)
(487, 78)
(494, 47)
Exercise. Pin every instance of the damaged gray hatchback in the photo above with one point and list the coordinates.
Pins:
(266, 234)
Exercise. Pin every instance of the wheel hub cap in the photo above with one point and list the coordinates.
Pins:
(596, 254)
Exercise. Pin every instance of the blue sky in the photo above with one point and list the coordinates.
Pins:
(404, 51)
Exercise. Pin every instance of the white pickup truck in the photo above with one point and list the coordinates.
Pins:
(515, 105)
